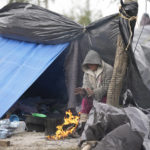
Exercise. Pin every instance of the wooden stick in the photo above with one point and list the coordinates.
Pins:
(4, 143)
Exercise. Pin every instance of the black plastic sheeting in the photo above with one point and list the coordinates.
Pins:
(124, 138)
(23, 21)
(117, 129)
(141, 51)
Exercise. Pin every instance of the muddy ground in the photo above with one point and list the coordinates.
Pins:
(37, 141)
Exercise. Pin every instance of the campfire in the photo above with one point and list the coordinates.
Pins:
(71, 122)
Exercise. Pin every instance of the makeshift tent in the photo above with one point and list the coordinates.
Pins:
(21, 64)
(30, 23)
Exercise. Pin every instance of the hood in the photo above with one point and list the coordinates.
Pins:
(92, 57)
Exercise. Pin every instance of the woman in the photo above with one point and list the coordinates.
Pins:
(97, 76)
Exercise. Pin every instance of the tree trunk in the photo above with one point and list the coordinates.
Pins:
(39, 2)
(46, 4)
(119, 71)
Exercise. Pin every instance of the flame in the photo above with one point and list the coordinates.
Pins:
(69, 120)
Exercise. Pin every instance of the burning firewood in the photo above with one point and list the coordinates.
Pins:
(70, 124)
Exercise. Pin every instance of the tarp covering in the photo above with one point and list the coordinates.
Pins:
(21, 64)
(32, 23)
(117, 129)
(36, 24)
(141, 49)
(51, 84)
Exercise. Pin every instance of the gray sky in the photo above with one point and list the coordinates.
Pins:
(107, 8)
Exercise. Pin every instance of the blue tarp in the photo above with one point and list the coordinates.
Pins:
(21, 63)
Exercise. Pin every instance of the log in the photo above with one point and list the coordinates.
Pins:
(87, 147)
(4, 143)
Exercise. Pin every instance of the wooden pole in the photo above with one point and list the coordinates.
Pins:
(39, 3)
(120, 66)
(119, 71)
(46, 4)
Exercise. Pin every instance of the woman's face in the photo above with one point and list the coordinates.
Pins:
(93, 67)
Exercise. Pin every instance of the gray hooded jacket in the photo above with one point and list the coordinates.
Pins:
(98, 80)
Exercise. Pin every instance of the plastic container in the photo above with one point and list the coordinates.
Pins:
(21, 127)
(14, 118)
(4, 133)
(14, 124)
(4, 124)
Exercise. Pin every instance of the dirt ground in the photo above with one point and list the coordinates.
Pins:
(37, 141)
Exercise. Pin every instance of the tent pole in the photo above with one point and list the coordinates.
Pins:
(119, 71)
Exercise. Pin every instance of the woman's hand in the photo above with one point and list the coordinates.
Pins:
(80, 91)
(89, 92)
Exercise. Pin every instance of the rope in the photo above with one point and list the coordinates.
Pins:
(84, 28)
(129, 24)
(129, 20)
